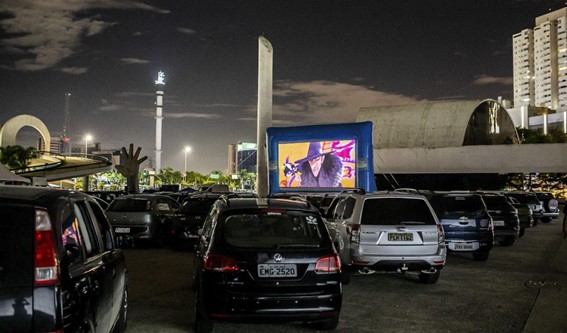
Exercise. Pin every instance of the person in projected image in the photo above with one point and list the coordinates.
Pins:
(320, 168)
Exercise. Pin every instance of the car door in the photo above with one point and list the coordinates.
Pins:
(90, 275)
(113, 259)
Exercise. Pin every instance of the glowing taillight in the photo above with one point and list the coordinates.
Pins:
(220, 263)
(353, 231)
(329, 264)
(45, 258)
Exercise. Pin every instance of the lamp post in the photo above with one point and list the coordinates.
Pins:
(87, 138)
(186, 150)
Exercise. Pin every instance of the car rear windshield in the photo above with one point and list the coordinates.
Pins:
(462, 204)
(288, 229)
(396, 211)
(197, 206)
(495, 201)
(526, 198)
(17, 230)
(130, 205)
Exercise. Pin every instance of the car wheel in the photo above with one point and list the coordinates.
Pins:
(507, 241)
(326, 325)
(480, 256)
(429, 276)
(545, 219)
(202, 324)
(123, 317)
(522, 232)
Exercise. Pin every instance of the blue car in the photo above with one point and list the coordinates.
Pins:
(467, 224)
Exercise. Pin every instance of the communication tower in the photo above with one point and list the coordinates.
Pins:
(65, 135)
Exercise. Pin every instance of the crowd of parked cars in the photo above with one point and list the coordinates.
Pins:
(283, 258)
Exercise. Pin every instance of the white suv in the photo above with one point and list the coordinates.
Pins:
(387, 231)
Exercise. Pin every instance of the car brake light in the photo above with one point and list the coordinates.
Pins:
(441, 234)
(353, 231)
(220, 263)
(329, 264)
(45, 257)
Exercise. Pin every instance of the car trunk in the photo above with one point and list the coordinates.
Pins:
(398, 240)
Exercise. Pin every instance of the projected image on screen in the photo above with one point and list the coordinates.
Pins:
(317, 164)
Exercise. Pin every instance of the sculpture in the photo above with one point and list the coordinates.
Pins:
(131, 167)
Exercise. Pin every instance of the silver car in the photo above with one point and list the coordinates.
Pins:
(145, 217)
(387, 231)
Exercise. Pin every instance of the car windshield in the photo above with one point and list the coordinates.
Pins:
(130, 205)
(462, 204)
(526, 198)
(396, 211)
(273, 230)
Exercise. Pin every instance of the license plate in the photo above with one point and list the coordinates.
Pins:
(463, 246)
(274, 270)
(400, 237)
(498, 223)
(121, 230)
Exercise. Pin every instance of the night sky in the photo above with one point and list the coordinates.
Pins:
(330, 59)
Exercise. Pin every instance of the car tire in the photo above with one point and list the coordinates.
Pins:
(123, 316)
(327, 324)
(481, 256)
(545, 219)
(507, 241)
(522, 232)
(201, 324)
(429, 277)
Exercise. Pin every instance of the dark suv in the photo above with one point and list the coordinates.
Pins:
(504, 218)
(266, 259)
(466, 221)
(60, 269)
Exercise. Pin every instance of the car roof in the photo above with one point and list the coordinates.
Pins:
(272, 203)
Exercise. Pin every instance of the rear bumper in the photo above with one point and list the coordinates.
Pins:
(395, 263)
(553, 215)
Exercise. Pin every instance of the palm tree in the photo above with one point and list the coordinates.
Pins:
(17, 157)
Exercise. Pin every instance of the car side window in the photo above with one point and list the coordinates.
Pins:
(71, 236)
(339, 211)
(89, 236)
(103, 226)
(208, 224)
(349, 207)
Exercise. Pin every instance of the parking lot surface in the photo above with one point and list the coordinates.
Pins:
(521, 288)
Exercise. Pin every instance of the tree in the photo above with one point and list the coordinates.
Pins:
(17, 157)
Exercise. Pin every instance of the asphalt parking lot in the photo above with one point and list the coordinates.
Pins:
(521, 288)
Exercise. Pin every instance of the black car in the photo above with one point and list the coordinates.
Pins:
(266, 259)
(550, 206)
(504, 218)
(531, 200)
(60, 268)
(189, 218)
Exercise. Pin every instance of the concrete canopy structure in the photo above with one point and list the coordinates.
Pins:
(10, 129)
(439, 125)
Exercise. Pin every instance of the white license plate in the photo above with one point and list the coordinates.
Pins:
(277, 270)
(498, 223)
(121, 230)
(400, 237)
(463, 246)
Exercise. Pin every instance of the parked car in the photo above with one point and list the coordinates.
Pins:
(504, 218)
(550, 206)
(189, 217)
(60, 267)
(468, 225)
(524, 214)
(266, 259)
(387, 231)
(143, 217)
(530, 199)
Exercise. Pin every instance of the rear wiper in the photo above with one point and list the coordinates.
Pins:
(412, 223)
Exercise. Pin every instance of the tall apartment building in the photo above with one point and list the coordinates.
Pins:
(540, 63)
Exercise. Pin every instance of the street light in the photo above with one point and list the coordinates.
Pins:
(186, 150)
(87, 138)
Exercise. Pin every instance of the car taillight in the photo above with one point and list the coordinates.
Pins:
(486, 224)
(353, 231)
(329, 264)
(441, 234)
(220, 263)
(45, 257)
